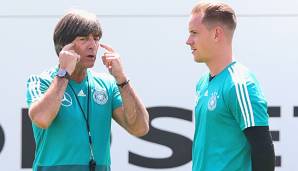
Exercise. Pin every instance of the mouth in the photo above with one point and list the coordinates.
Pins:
(193, 51)
(91, 56)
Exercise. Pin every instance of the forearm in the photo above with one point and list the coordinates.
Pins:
(133, 116)
(43, 111)
(136, 117)
(263, 159)
(262, 149)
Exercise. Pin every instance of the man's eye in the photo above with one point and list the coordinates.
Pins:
(83, 38)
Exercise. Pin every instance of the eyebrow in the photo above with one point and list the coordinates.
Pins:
(194, 30)
(94, 35)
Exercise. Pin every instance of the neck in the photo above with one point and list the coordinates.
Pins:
(78, 75)
(220, 62)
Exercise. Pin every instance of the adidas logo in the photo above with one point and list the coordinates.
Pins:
(81, 94)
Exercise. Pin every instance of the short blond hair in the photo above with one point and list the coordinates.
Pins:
(216, 13)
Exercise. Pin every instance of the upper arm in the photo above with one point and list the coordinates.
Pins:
(36, 87)
(117, 107)
(258, 135)
(118, 116)
(247, 103)
(262, 149)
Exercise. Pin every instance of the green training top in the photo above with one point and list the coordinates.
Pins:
(64, 144)
(226, 105)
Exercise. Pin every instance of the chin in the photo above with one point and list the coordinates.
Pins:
(199, 59)
(196, 59)
(89, 65)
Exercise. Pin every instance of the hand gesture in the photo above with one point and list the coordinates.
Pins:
(68, 58)
(111, 60)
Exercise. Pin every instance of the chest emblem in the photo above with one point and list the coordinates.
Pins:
(212, 101)
(100, 96)
(66, 101)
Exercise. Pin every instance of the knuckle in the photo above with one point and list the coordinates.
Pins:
(62, 52)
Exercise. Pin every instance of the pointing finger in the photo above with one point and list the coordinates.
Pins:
(104, 59)
(107, 47)
(69, 46)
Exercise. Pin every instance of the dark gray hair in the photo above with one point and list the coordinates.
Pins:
(75, 23)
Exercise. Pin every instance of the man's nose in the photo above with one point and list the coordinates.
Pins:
(92, 43)
(189, 41)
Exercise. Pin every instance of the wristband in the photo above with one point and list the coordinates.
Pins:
(62, 73)
(121, 85)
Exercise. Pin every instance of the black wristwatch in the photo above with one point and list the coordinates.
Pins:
(62, 73)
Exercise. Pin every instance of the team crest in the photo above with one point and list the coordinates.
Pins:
(212, 101)
(100, 96)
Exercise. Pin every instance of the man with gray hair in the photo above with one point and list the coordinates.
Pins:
(71, 106)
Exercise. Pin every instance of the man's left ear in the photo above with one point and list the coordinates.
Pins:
(218, 33)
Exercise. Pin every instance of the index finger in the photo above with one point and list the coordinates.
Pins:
(68, 46)
(107, 47)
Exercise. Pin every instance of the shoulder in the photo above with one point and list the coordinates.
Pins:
(239, 74)
(102, 77)
(45, 76)
(241, 78)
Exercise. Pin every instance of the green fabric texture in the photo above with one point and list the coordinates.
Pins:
(65, 142)
(226, 105)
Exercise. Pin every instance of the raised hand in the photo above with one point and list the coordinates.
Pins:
(68, 58)
(111, 59)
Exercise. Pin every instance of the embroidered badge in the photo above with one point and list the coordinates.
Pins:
(66, 101)
(212, 101)
(100, 96)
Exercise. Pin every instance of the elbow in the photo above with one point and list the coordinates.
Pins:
(141, 131)
(144, 129)
(41, 124)
(38, 119)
